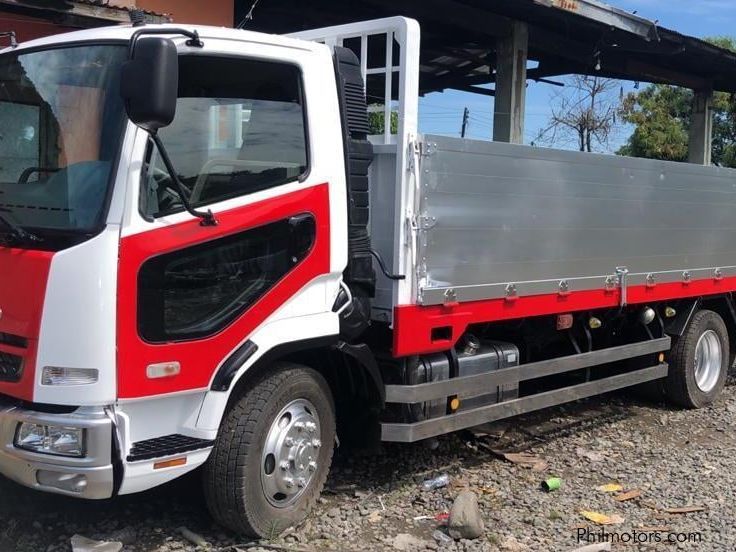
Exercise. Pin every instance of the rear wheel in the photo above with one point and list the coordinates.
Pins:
(699, 362)
(273, 453)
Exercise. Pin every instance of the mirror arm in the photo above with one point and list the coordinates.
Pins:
(208, 218)
(193, 36)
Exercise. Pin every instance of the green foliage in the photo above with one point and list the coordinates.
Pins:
(661, 115)
(376, 119)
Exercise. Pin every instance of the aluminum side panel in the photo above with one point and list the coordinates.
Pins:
(495, 214)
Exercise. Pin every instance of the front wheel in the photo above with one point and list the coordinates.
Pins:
(699, 362)
(273, 453)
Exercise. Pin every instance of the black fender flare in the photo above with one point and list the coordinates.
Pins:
(363, 355)
(225, 375)
(360, 354)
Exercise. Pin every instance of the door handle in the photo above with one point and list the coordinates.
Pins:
(302, 235)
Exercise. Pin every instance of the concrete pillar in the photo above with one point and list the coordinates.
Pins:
(510, 104)
(701, 128)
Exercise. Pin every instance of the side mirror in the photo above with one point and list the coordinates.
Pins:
(150, 83)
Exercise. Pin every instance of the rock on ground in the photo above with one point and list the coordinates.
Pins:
(465, 521)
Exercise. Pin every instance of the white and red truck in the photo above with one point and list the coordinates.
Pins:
(207, 261)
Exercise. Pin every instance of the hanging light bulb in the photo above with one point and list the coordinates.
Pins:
(597, 56)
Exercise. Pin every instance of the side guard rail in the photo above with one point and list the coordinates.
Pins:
(477, 384)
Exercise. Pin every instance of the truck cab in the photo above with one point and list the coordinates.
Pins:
(124, 319)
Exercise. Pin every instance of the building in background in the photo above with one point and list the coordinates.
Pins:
(31, 19)
(220, 13)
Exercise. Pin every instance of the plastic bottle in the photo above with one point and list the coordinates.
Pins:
(436, 483)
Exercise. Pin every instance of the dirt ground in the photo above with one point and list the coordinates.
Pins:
(673, 458)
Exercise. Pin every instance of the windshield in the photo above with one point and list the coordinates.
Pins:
(61, 119)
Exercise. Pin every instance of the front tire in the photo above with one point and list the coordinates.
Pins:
(699, 362)
(273, 453)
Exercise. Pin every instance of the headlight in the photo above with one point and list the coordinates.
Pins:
(53, 375)
(44, 439)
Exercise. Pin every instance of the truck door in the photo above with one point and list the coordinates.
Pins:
(189, 294)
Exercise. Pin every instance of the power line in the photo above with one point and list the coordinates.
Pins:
(248, 16)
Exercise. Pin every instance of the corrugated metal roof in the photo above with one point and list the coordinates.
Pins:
(111, 4)
(565, 37)
(80, 11)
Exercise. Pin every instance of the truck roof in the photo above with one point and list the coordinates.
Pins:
(124, 32)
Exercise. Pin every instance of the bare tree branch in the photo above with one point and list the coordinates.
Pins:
(583, 113)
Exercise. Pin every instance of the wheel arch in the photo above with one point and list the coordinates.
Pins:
(350, 370)
(723, 305)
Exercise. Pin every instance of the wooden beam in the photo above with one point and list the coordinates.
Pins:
(468, 69)
(609, 16)
(431, 51)
(652, 73)
(490, 58)
(474, 90)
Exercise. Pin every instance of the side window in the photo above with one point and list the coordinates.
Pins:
(198, 291)
(239, 129)
(19, 140)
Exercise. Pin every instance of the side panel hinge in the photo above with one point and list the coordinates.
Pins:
(622, 278)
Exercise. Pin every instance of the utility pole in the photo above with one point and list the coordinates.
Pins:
(466, 117)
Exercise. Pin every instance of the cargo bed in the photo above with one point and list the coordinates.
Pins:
(496, 220)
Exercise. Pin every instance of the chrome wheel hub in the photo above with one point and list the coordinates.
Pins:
(708, 361)
(291, 453)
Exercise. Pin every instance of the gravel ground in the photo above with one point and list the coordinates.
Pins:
(674, 458)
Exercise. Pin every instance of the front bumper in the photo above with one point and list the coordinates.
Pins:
(95, 471)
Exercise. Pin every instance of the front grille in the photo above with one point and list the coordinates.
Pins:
(11, 367)
(13, 340)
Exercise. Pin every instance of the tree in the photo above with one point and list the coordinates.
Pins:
(376, 118)
(661, 115)
(584, 113)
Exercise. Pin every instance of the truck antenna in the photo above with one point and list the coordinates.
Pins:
(11, 35)
(248, 16)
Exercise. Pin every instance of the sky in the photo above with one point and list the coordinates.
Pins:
(442, 113)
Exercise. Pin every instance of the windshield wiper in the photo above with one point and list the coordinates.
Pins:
(16, 233)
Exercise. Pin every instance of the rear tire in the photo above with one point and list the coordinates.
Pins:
(273, 453)
(699, 362)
